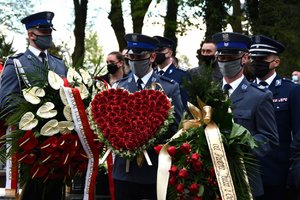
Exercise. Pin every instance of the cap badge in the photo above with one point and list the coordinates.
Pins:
(257, 39)
(225, 37)
(48, 15)
(226, 44)
(134, 38)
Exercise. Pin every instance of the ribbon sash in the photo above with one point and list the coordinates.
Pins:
(86, 137)
(220, 163)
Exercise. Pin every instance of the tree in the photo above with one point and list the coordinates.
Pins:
(171, 21)
(139, 9)
(13, 11)
(117, 22)
(80, 8)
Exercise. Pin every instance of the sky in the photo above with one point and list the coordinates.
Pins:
(98, 15)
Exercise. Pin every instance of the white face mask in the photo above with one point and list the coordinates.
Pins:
(230, 68)
(139, 67)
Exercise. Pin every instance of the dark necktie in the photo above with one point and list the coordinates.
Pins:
(263, 83)
(226, 88)
(161, 72)
(43, 56)
(139, 84)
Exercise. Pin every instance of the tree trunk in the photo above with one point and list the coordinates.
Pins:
(117, 22)
(80, 7)
(139, 9)
(171, 22)
(236, 19)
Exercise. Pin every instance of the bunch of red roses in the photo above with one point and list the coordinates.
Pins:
(129, 123)
(192, 175)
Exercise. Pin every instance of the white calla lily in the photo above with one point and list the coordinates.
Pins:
(84, 93)
(63, 96)
(46, 110)
(68, 113)
(32, 94)
(55, 81)
(86, 77)
(28, 122)
(73, 76)
(65, 126)
(50, 128)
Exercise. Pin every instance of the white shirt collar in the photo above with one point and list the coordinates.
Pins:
(233, 84)
(165, 68)
(145, 78)
(37, 52)
(268, 80)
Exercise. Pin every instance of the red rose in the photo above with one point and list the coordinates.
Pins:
(158, 148)
(183, 173)
(28, 141)
(195, 157)
(185, 148)
(171, 150)
(212, 172)
(197, 165)
(173, 181)
(197, 198)
(194, 187)
(173, 170)
(180, 188)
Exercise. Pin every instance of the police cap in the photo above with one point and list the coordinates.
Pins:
(231, 43)
(164, 42)
(41, 20)
(138, 43)
(263, 46)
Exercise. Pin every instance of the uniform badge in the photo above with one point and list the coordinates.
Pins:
(170, 72)
(153, 79)
(129, 79)
(29, 57)
(244, 87)
(278, 82)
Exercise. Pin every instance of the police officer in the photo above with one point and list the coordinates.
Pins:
(264, 57)
(18, 69)
(165, 66)
(251, 106)
(140, 182)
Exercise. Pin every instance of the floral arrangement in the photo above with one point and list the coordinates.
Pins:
(192, 174)
(129, 123)
(43, 135)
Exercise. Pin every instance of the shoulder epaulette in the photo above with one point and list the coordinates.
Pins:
(287, 80)
(166, 79)
(15, 55)
(56, 57)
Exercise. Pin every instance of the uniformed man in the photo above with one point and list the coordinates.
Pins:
(264, 57)
(140, 182)
(16, 75)
(165, 66)
(252, 107)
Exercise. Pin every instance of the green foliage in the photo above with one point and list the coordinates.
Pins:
(12, 11)
(93, 53)
(6, 48)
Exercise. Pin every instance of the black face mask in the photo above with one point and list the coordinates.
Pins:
(260, 68)
(112, 68)
(208, 60)
(160, 58)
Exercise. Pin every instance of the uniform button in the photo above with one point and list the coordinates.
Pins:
(277, 107)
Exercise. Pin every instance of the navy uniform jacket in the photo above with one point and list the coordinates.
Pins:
(10, 82)
(253, 108)
(146, 174)
(179, 76)
(286, 99)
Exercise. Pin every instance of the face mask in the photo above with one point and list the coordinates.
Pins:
(208, 60)
(160, 58)
(43, 42)
(261, 68)
(230, 68)
(112, 68)
(139, 67)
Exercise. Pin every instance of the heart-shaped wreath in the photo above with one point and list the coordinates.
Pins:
(129, 123)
